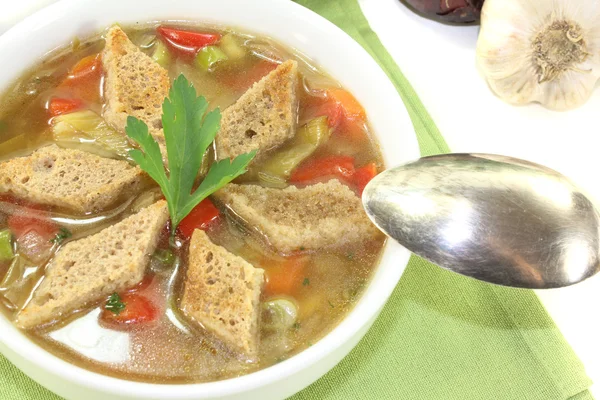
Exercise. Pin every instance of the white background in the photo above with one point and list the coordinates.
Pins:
(439, 61)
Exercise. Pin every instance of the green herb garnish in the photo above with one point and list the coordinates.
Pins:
(114, 304)
(63, 233)
(330, 304)
(350, 256)
(296, 325)
(189, 129)
(305, 282)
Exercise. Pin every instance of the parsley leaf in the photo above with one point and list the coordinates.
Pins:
(114, 304)
(62, 234)
(189, 130)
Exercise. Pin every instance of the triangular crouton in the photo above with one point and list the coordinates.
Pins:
(68, 178)
(317, 216)
(134, 85)
(222, 294)
(87, 270)
(263, 118)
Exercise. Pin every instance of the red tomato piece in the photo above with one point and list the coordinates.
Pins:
(138, 310)
(59, 106)
(338, 166)
(363, 175)
(33, 231)
(22, 222)
(186, 43)
(201, 217)
(344, 114)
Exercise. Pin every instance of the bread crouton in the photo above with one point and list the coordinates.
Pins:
(263, 118)
(222, 294)
(134, 84)
(68, 178)
(87, 270)
(313, 217)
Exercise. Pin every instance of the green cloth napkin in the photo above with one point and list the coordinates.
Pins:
(441, 335)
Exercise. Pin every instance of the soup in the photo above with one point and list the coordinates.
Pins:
(93, 268)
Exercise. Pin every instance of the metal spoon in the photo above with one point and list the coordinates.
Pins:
(494, 218)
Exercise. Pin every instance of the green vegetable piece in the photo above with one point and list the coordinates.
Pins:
(189, 130)
(6, 249)
(231, 46)
(63, 233)
(305, 282)
(161, 54)
(114, 304)
(208, 56)
(165, 257)
(88, 129)
(279, 315)
(308, 138)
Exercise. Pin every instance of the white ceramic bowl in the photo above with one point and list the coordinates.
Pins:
(288, 23)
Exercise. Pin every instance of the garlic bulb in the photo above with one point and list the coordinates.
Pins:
(545, 51)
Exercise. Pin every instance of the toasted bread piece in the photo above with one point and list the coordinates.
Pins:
(87, 270)
(134, 85)
(314, 217)
(263, 118)
(68, 178)
(222, 294)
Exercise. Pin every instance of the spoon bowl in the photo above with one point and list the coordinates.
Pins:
(494, 218)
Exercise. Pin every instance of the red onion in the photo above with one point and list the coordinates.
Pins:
(453, 11)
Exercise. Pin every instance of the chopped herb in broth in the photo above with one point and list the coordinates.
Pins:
(289, 233)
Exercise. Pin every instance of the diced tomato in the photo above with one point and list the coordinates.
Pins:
(201, 217)
(284, 277)
(138, 310)
(338, 166)
(22, 222)
(186, 43)
(241, 81)
(33, 231)
(59, 106)
(84, 79)
(344, 113)
(363, 175)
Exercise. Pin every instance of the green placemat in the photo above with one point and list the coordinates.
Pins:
(441, 336)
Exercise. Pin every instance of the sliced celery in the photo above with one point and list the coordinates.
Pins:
(208, 56)
(231, 46)
(11, 145)
(6, 249)
(308, 138)
(161, 54)
(86, 129)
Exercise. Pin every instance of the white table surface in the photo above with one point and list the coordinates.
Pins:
(439, 61)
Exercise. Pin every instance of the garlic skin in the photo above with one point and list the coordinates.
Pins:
(544, 51)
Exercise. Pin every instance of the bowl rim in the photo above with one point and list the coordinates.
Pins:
(367, 308)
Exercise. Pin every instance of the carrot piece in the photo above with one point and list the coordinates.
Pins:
(286, 277)
(338, 166)
(83, 80)
(59, 106)
(201, 217)
(363, 175)
(350, 106)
